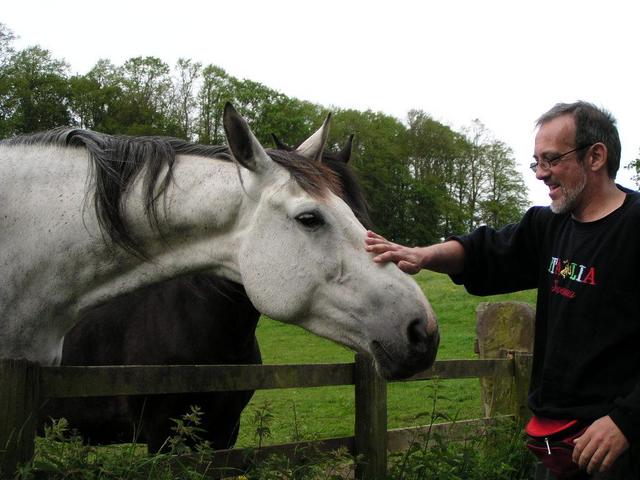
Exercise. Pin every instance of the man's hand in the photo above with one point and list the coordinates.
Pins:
(408, 259)
(447, 257)
(599, 446)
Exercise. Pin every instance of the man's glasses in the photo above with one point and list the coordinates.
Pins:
(546, 163)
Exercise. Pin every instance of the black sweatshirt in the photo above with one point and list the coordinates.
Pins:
(586, 361)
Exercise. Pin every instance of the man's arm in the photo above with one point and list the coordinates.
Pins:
(447, 257)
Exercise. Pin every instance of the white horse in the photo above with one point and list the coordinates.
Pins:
(270, 220)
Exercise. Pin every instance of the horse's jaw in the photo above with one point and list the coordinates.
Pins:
(396, 327)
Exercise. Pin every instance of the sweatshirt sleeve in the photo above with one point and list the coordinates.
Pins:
(626, 415)
(502, 261)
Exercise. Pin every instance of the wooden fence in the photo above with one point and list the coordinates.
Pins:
(24, 385)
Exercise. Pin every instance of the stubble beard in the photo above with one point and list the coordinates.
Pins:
(569, 198)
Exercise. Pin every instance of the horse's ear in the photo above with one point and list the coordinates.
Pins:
(344, 155)
(313, 147)
(243, 144)
(280, 145)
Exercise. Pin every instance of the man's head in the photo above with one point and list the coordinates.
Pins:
(592, 125)
(575, 145)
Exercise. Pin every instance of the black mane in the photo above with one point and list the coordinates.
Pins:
(352, 192)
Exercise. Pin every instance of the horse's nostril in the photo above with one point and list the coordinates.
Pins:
(417, 332)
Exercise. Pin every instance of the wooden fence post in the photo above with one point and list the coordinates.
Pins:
(502, 327)
(523, 362)
(371, 421)
(19, 399)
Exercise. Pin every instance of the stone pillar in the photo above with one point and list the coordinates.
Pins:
(503, 327)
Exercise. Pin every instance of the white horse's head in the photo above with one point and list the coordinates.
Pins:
(302, 259)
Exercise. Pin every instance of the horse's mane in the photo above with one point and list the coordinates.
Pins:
(352, 192)
(117, 161)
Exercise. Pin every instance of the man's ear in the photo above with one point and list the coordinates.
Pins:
(597, 157)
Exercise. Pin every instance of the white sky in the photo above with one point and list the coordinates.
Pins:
(503, 62)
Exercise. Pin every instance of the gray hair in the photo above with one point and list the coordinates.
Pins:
(593, 125)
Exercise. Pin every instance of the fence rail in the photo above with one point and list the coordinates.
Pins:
(65, 382)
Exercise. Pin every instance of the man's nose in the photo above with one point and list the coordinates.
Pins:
(542, 174)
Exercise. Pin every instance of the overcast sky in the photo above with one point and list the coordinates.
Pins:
(503, 62)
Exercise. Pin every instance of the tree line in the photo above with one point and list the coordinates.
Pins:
(423, 180)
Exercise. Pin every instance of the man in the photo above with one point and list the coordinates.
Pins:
(583, 255)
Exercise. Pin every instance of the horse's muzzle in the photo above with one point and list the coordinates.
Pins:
(420, 353)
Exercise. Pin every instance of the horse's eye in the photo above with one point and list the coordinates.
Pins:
(310, 220)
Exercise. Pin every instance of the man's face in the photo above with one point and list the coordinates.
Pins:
(566, 179)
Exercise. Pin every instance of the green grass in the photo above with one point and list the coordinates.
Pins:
(329, 411)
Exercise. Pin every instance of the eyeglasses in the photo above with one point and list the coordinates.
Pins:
(546, 163)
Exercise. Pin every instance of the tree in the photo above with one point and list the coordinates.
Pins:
(505, 198)
(37, 91)
(214, 92)
(634, 166)
(475, 167)
(6, 101)
(6, 44)
(380, 158)
(144, 98)
(183, 103)
(436, 159)
(266, 110)
(92, 97)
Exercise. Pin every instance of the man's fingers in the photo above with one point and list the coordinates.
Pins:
(585, 456)
(607, 462)
(584, 450)
(387, 256)
(595, 462)
(579, 444)
(379, 248)
(377, 241)
(374, 235)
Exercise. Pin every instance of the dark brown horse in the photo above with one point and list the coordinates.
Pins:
(199, 319)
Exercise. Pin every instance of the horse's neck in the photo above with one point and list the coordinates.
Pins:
(55, 259)
(42, 227)
(196, 216)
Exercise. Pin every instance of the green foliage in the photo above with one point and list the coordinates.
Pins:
(634, 166)
(379, 156)
(262, 419)
(496, 453)
(35, 93)
(493, 453)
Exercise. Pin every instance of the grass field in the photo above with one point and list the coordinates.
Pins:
(313, 413)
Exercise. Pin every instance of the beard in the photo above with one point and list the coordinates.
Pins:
(569, 198)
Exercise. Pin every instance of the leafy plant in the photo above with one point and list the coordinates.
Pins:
(496, 453)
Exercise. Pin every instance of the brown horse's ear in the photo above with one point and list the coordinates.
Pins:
(280, 145)
(344, 155)
(313, 147)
